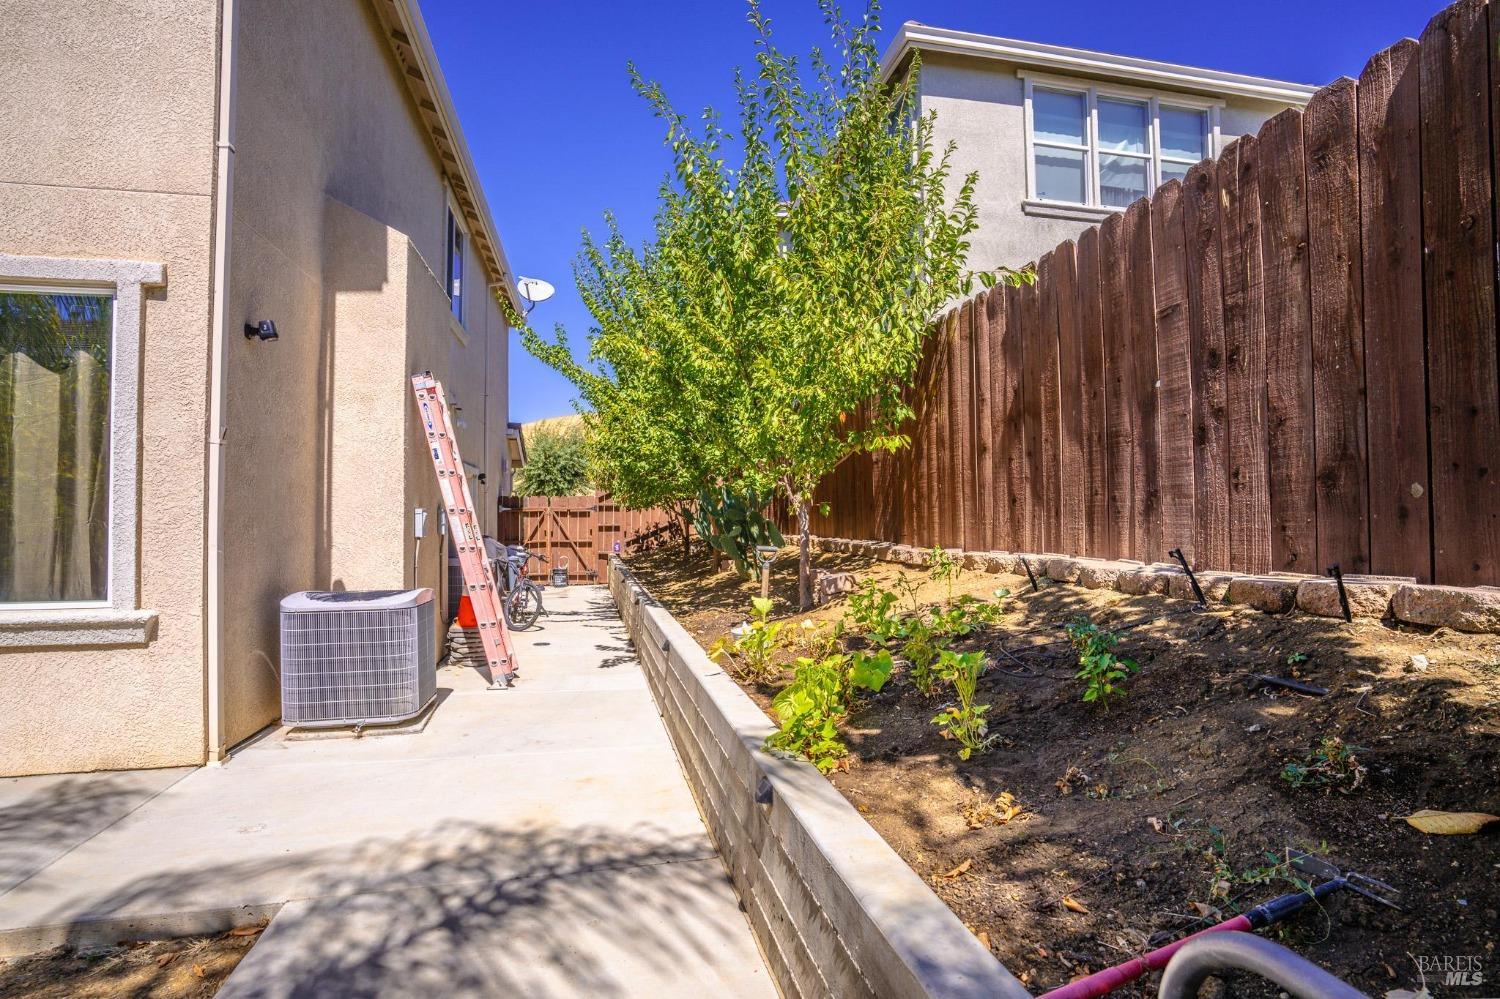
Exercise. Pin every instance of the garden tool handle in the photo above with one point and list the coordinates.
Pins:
(1104, 982)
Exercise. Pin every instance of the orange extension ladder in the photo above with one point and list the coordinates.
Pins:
(479, 580)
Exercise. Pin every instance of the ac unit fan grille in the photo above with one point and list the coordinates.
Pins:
(347, 666)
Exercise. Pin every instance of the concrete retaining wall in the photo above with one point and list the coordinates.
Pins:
(836, 911)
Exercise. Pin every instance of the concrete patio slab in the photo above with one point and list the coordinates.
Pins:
(537, 841)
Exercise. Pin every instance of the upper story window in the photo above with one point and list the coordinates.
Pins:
(454, 273)
(1105, 147)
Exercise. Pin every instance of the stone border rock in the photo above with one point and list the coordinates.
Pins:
(836, 911)
(1402, 598)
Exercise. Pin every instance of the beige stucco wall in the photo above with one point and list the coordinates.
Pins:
(106, 151)
(338, 229)
(979, 105)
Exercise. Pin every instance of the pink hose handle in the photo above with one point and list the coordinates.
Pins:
(1104, 982)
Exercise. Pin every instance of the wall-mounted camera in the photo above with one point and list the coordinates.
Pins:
(263, 330)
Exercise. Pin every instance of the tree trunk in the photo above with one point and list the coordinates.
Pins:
(685, 524)
(804, 554)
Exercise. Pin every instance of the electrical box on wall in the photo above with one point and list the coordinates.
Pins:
(419, 522)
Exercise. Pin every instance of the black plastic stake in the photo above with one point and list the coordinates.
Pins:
(1030, 575)
(1338, 577)
(1182, 561)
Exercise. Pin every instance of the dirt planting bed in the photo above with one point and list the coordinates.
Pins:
(1084, 836)
(182, 968)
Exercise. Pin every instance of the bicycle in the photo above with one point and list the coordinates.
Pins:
(522, 600)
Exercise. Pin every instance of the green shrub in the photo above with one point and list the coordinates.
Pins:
(750, 654)
(964, 723)
(872, 612)
(810, 708)
(924, 641)
(1100, 668)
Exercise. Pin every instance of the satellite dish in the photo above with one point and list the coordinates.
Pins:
(535, 289)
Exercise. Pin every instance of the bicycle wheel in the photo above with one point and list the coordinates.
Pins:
(523, 606)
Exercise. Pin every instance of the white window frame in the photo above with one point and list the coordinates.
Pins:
(118, 619)
(1092, 92)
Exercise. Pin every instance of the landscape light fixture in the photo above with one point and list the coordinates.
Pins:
(262, 331)
(765, 555)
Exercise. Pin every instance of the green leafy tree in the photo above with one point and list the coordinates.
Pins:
(557, 463)
(783, 302)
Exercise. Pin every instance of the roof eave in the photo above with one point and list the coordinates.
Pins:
(912, 37)
(407, 34)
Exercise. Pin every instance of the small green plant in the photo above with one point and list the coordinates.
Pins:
(944, 567)
(1100, 668)
(810, 708)
(1332, 764)
(872, 612)
(924, 642)
(964, 722)
(1269, 868)
(1295, 658)
(750, 653)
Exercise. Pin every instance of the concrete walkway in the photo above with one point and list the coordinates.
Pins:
(539, 841)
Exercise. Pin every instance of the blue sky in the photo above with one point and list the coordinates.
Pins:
(559, 137)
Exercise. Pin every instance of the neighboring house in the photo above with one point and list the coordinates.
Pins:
(1061, 137)
(170, 173)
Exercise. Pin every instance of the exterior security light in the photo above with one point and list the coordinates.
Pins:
(263, 330)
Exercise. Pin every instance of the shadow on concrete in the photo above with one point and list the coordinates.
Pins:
(588, 912)
(58, 815)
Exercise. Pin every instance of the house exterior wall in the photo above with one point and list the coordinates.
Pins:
(980, 106)
(338, 236)
(107, 151)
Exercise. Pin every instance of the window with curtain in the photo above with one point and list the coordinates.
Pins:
(1098, 149)
(54, 445)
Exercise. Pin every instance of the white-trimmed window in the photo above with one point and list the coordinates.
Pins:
(454, 267)
(69, 426)
(1100, 147)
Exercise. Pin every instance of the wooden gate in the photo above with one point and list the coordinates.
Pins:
(579, 531)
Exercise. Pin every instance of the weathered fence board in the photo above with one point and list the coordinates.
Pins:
(1091, 362)
(1209, 439)
(1395, 339)
(1174, 357)
(1459, 276)
(1072, 519)
(1330, 132)
(1119, 393)
(1286, 305)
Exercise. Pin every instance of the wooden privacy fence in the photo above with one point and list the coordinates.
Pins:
(1285, 361)
(579, 530)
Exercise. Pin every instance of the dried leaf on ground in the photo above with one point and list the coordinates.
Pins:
(1003, 809)
(1450, 823)
(1156, 823)
(198, 970)
(957, 871)
(1073, 905)
(245, 931)
(167, 958)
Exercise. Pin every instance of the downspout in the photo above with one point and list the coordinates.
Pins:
(219, 341)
